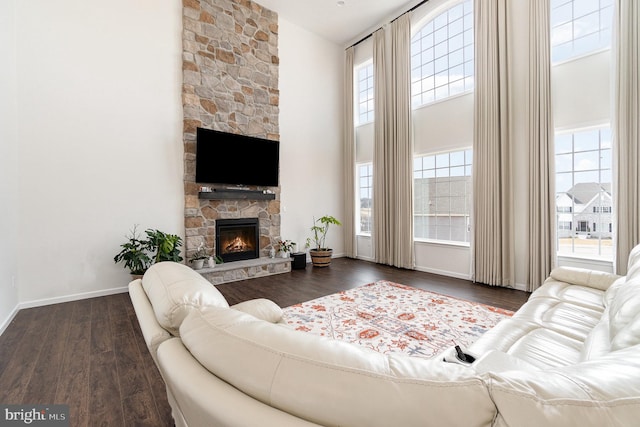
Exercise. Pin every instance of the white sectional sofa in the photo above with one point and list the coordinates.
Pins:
(569, 356)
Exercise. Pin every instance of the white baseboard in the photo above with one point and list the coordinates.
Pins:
(72, 297)
(520, 287)
(7, 321)
(444, 273)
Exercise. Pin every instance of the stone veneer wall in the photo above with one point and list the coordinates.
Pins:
(230, 83)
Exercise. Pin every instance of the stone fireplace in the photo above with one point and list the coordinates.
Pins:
(230, 83)
(237, 239)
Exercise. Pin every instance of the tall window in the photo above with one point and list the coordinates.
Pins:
(583, 193)
(579, 27)
(442, 56)
(442, 196)
(365, 190)
(365, 94)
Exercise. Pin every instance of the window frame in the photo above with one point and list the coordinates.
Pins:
(582, 220)
(467, 196)
(369, 101)
(359, 188)
(601, 31)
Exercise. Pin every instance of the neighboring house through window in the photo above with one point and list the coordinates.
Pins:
(583, 192)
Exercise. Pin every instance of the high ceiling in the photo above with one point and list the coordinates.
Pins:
(342, 24)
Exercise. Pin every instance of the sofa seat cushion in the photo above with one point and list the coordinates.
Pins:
(332, 382)
(602, 392)
(531, 342)
(564, 317)
(174, 290)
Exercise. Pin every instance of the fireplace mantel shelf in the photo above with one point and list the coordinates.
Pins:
(236, 194)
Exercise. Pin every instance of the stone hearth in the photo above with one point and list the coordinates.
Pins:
(247, 269)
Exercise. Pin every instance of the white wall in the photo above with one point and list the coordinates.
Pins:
(99, 124)
(8, 164)
(311, 118)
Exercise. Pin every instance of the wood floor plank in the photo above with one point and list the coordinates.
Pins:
(18, 371)
(12, 335)
(44, 381)
(119, 315)
(101, 338)
(105, 402)
(73, 384)
(139, 410)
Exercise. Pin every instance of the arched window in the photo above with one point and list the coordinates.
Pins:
(579, 27)
(442, 55)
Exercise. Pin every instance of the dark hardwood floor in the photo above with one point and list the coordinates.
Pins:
(90, 354)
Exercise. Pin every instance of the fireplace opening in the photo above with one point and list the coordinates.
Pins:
(237, 239)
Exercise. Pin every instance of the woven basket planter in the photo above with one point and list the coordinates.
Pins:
(321, 258)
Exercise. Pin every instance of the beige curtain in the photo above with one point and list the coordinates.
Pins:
(393, 152)
(493, 235)
(349, 223)
(626, 131)
(381, 235)
(542, 251)
(400, 145)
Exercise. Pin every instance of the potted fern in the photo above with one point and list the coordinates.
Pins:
(320, 253)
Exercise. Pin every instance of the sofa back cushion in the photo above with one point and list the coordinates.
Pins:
(633, 265)
(174, 290)
(332, 382)
(623, 300)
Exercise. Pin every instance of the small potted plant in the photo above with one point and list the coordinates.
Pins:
(198, 257)
(286, 247)
(320, 254)
(134, 254)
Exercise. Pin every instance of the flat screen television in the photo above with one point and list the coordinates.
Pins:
(228, 158)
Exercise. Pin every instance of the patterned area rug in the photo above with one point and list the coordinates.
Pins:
(393, 318)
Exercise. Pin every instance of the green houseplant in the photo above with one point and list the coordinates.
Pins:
(134, 254)
(139, 254)
(165, 246)
(320, 253)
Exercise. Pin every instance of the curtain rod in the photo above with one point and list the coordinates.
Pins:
(371, 33)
